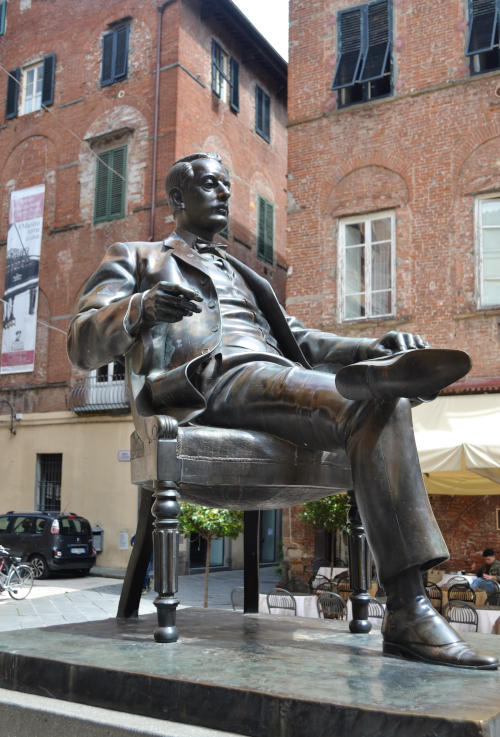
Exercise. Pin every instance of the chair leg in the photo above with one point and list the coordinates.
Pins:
(165, 550)
(130, 596)
(359, 559)
(251, 521)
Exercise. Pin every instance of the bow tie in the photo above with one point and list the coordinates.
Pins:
(219, 249)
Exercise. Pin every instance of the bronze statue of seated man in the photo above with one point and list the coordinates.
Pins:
(222, 352)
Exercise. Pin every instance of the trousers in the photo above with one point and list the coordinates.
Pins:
(304, 407)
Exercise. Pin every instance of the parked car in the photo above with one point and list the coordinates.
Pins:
(50, 541)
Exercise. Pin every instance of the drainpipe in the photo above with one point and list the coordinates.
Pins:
(161, 10)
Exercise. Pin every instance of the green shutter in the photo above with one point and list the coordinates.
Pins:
(265, 230)
(110, 185)
(3, 12)
(117, 193)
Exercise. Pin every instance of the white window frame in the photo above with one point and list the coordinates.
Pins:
(480, 278)
(223, 75)
(38, 77)
(342, 265)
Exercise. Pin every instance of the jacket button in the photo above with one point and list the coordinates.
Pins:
(212, 304)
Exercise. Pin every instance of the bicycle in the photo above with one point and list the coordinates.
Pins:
(15, 577)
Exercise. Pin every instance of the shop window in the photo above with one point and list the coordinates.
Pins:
(366, 267)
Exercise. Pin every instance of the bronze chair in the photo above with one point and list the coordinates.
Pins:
(234, 469)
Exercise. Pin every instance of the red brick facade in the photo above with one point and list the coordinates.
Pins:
(426, 152)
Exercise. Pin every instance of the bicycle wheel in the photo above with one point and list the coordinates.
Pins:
(20, 581)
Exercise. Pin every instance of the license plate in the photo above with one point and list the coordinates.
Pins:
(78, 551)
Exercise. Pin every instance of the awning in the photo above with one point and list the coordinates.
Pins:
(458, 442)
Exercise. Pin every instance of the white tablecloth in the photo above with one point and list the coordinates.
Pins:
(488, 623)
(306, 607)
(447, 576)
(328, 572)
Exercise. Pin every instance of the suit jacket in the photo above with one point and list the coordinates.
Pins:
(168, 354)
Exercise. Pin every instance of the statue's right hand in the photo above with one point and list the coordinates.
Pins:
(167, 302)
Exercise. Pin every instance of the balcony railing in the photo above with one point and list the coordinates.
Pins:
(91, 395)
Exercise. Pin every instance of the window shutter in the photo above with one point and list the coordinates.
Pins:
(49, 72)
(101, 188)
(216, 81)
(12, 93)
(234, 101)
(107, 59)
(3, 13)
(269, 232)
(117, 193)
(483, 22)
(262, 113)
(375, 61)
(349, 47)
(121, 54)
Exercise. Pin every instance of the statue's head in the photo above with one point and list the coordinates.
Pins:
(198, 190)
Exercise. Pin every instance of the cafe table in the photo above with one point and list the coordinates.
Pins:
(306, 606)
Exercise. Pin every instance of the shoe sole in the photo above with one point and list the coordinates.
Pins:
(393, 650)
(413, 374)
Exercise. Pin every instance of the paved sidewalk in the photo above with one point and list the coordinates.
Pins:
(62, 600)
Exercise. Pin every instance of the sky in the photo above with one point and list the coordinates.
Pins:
(270, 17)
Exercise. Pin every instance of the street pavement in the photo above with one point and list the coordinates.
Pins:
(83, 599)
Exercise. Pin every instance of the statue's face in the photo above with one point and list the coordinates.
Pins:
(205, 198)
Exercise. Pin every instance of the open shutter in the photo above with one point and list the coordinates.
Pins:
(121, 56)
(107, 59)
(101, 186)
(269, 232)
(482, 26)
(3, 14)
(216, 62)
(234, 101)
(12, 93)
(117, 193)
(49, 72)
(375, 62)
(349, 47)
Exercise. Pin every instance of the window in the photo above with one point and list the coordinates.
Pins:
(48, 491)
(483, 38)
(115, 55)
(3, 15)
(262, 113)
(110, 186)
(225, 77)
(488, 250)
(366, 266)
(37, 87)
(363, 53)
(265, 230)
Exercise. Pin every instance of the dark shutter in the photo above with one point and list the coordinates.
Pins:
(3, 13)
(265, 230)
(101, 187)
(49, 72)
(349, 48)
(107, 59)
(121, 55)
(262, 113)
(117, 190)
(483, 21)
(110, 184)
(12, 93)
(375, 62)
(234, 101)
(216, 63)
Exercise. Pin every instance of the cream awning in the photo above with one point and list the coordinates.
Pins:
(458, 441)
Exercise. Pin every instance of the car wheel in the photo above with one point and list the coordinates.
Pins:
(40, 567)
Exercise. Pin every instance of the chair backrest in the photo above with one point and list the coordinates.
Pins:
(461, 591)
(435, 595)
(237, 597)
(375, 609)
(343, 585)
(281, 599)
(461, 612)
(331, 606)
(456, 579)
(493, 599)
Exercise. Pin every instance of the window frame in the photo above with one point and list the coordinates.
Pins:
(342, 265)
(39, 67)
(265, 250)
(479, 62)
(360, 88)
(225, 76)
(478, 228)
(262, 113)
(108, 216)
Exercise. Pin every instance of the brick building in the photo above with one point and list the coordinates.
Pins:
(98, 106)
(394, 200)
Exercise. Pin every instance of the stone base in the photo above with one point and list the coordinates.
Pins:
(256, 675)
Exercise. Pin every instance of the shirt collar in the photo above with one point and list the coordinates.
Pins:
(200, 244)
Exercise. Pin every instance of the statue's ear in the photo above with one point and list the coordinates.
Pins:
(176, 199)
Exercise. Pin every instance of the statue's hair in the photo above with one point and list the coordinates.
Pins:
(181, 171)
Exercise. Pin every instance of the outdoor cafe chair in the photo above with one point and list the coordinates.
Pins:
(375, 609)
(493, 599)
(331, 606)
(461, 612)
(435, 596)
(237, 597)
(461, 591)
(278, 598)
(457, 579)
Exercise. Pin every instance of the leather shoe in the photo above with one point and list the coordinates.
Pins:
(416, 374)
(418, 632)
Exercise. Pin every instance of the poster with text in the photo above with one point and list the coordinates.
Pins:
(20, 298)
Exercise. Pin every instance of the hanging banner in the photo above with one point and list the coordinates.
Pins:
(20, 299)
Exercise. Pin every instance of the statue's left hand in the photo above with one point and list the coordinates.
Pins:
(394, 342)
